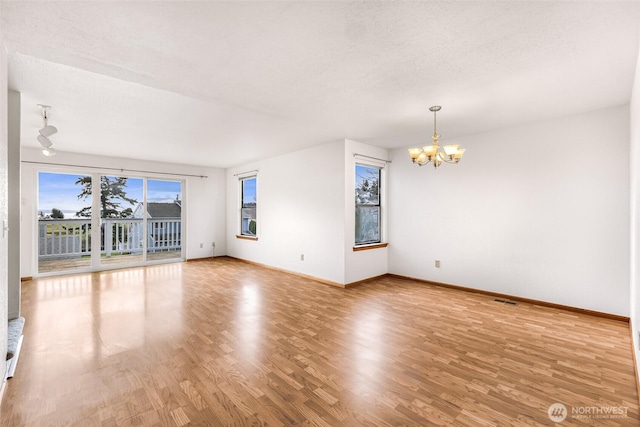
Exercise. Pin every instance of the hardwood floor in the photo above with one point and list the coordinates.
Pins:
(222, 342)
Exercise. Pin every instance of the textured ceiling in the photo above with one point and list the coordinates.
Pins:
(222, 83)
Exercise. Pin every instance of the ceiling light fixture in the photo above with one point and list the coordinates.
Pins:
(46, 132)
(49, 152)
(44, 141)
(435, 153)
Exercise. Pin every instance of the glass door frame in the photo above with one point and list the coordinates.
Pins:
(96, 220)
(149, 226)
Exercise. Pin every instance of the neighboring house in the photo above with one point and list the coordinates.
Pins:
(249, 223)
(164, 224)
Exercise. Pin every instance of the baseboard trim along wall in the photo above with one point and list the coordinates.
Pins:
(450, 286)
(362, 282)
(282, 270)
(317, 279)
(207, 258)
(515, 298)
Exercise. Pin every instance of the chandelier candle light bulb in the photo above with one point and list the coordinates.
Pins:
(435, 153)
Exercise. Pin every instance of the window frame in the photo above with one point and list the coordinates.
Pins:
(242, 233)
(95, 264)
(380, 206)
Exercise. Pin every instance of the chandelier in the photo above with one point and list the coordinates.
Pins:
(435, 153)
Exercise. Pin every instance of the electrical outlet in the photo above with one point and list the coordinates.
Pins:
(437, 263)
(201, 245)
(301, 257)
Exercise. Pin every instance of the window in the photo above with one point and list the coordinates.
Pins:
(248, 207)
(368, 210)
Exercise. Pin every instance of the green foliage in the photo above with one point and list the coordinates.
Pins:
(253, 227)
(112, 194)
(375, 188)
(57, 213)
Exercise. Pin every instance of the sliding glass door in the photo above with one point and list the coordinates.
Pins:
(164, 219)
(64, 222)
(140, 220)
(121, 230)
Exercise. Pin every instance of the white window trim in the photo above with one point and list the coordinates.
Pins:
(242, 177)
(383, 203)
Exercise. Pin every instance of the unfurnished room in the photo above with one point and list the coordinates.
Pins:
(320, 213)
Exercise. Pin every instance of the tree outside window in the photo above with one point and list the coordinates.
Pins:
(367, 198)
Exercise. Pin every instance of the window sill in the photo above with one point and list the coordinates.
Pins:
(238, 236)
(367, 247)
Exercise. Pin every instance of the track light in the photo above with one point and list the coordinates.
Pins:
(44, 141)
(46, 132)
(49, 152)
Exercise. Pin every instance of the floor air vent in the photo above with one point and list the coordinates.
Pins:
(504, 301)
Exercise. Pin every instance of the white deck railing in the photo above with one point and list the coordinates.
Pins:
(64, 238)
(71, 238)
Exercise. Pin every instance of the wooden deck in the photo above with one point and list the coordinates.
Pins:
(70, 265)
(226, 343)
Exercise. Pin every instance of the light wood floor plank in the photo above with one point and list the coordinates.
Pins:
(226, 343)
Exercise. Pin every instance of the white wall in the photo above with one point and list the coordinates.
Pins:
(4, 208)
(634, 158)
(206, 214)
(204, 198)
(538, 211)
(306, 206)
(13, 178)
(300, 210)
